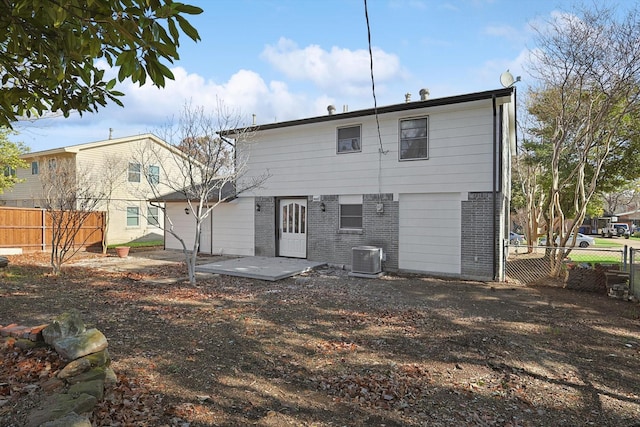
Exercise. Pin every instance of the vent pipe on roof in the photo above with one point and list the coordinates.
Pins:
(407, 97)
(110, 132)
(345, 108)
(254, 119)
(331, 109)
(424, 94)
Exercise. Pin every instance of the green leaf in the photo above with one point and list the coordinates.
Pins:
(187, 28)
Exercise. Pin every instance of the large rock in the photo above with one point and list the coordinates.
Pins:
(4, 261)
(61, 405)
(68, 324)
(74, 347)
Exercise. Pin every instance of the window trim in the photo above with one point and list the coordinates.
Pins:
(359, 150)
(153, 178)
(341, 216)
(155, 216)
(134, 172)
(400, 121)
(137, 217)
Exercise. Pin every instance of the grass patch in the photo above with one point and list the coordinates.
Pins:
(150, 243)
(603, 242)
(595, 259)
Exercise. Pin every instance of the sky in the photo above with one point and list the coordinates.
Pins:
(289, 59)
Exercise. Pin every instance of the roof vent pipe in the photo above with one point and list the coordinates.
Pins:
(254, 119)
(345, 108)
(407, 97)
(424, 94)
(331, 109)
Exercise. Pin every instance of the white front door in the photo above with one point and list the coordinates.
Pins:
(293, 228)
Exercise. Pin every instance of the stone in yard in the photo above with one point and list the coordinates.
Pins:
(95, 388)
(61, 405)
(71, 420)
(66, 325)
(4, 261)
(74, 347)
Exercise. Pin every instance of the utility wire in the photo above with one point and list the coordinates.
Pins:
(375, 102)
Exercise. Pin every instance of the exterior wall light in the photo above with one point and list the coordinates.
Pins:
(323, 207)
(257, 207)
(186, 211)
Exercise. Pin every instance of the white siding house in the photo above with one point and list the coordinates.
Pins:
(426, 181)
(130, 215)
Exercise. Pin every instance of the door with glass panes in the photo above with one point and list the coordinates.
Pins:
(292, 227)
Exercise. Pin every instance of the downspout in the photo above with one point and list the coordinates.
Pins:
(495, 184)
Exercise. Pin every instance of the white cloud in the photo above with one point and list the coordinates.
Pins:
(339, 69)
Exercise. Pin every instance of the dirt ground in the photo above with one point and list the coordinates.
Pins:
(325, 349)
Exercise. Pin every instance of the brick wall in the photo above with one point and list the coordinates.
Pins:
(265, 234)
(326, 242)
(477, 235)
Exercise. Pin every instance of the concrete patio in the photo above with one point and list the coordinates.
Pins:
(262, 268)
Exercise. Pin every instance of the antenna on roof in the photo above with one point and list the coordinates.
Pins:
(507, 80)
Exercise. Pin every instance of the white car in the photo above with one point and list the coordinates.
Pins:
(582, 240)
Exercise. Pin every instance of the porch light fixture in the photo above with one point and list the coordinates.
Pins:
(323, 207)
(186, 211)
(257, 207)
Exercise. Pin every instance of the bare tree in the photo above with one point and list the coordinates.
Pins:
(588, 66)
(70, 196)
(202, 168)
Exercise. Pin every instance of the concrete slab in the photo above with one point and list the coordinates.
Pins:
(263, 268)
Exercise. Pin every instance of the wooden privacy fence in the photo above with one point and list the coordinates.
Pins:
(30, 229)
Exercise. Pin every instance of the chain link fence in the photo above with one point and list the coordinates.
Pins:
(587, 269)
(634, 271)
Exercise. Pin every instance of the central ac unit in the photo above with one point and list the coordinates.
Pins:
(366, 260)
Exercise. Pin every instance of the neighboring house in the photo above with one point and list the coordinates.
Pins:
(130, 215)
(426, 181)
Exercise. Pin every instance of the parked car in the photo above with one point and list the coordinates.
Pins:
(516, 239)
(582, 240)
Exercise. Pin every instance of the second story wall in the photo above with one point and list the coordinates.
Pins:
(303, 159)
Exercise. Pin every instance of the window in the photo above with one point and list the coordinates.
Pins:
(413, 139)
(134, 172)
(349, 139)
(9, 171)
(133, 216)
(152, 216)
(52, 164)
(351, 216)
(35, 168)
(154, 175)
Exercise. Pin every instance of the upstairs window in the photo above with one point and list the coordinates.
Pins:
(414, 141)
(349, 139)
(9, 171)
(134, 172)
(154, 175)
(35, 168)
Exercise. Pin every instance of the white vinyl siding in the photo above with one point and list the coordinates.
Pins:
(303, 160)
(430, 233)
(233, 228)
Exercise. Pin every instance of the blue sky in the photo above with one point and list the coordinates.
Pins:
(290, 59)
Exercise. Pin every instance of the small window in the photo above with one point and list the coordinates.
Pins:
(152, 216)
(414, 139)
(35, 168)
(154, 175)
(133, 216)
(9, 171)
(134, 172)
(351, 216)
(52, 164)
(349, 139)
